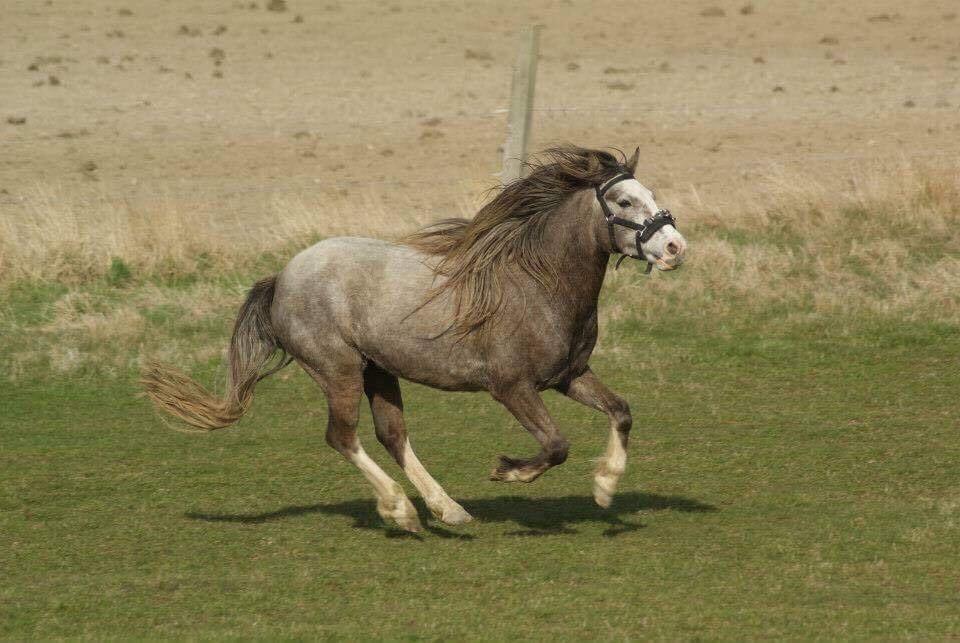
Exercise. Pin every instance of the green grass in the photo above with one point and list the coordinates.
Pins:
(788, 477)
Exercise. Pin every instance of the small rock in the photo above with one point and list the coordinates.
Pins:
(747, 9)
(759, 60)
(779, 88)
(713, 12)
(17, 120)
(53, 80)
(277, 5)
(909, 103)
(572, 66)
(432, 122)
(829, 40)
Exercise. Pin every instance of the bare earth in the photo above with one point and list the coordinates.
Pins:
(223, 106)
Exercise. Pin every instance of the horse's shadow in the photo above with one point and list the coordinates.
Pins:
(534, 516)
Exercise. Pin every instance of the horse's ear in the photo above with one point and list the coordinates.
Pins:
(631, 163)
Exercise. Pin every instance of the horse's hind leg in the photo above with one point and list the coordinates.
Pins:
(343, 390)
(386, 404)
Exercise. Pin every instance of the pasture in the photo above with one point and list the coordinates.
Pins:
(794, 481)
(792, 470)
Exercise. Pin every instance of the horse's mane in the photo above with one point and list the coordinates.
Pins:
(509, 231)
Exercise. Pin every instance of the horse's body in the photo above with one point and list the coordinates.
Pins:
(357, 314)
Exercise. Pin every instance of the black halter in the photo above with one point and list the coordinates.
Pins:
(644, 230)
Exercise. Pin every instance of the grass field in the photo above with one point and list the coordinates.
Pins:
(793, 467)
(792, 481)
(792, 473)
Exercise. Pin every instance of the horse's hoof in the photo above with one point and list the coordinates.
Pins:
(455, 515)
(507, 471)
(409, 523)
(504, 476)
(400, 510)
(604, 486)
(602, 498)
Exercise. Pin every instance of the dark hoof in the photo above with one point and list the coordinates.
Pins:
(515, 470)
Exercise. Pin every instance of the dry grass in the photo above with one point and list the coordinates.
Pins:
(888, 244)
(72, 237)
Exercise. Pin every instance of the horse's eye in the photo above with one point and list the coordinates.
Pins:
(624, 203)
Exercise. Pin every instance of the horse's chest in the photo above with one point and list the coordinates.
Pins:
(571, 357)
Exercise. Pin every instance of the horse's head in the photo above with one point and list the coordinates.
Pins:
(637, 226)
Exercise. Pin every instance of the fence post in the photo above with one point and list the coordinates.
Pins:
(521, 104)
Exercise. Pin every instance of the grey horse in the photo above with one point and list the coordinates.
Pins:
(505, 302)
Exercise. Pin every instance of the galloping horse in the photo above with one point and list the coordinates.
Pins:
(505, 302)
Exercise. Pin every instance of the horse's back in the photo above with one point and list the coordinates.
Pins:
(339, 280)
(372, 296)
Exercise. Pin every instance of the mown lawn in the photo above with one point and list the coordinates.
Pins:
(789, 477)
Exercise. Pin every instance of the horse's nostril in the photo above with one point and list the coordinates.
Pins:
(673, 248)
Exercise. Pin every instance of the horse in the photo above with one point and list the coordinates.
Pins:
(505, 302)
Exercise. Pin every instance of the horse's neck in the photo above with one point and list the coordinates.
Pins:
(581, 261)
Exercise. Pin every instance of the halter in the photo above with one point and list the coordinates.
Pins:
(644, 230)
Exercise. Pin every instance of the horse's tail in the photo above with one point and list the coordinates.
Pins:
(253, 346)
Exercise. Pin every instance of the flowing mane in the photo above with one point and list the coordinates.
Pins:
(509, 231)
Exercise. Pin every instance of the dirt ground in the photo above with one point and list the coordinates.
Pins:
(223, 105)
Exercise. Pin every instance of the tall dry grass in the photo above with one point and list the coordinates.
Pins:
(886, 242)
(74, 236)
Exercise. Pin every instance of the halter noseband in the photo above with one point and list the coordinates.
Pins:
(644, 230)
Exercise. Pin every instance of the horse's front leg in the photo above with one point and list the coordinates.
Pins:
(589, 390)
(523, 401)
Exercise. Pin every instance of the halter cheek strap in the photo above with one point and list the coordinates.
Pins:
(644, 230)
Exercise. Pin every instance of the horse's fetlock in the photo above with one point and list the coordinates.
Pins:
(557, 451)
(622, 416)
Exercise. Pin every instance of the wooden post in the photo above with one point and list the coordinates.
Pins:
(521, 105)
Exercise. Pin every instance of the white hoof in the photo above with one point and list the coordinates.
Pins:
(605, 484)
(601, 496)
(449, 512)
(455, 515)
(399, 509)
